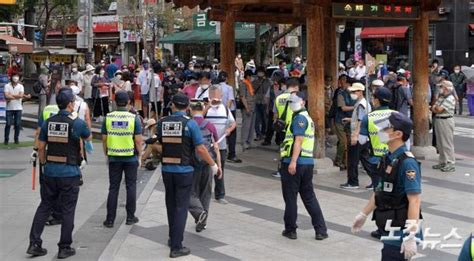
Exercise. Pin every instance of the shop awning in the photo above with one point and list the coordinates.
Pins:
(384, 32)
(209, 36)
(16, 45)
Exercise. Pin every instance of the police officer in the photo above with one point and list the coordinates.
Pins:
(297, 167)
(180, 137)
(282, 114)
(371, 154)
(122, 142)
(59, 149)
(397, 197)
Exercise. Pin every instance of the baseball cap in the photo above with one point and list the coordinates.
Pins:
(180, 99)
(297, 96)
(401, 122)
(357, 86)
(378, 83)
(75, 90)
(122, 98)
(64, 96)
(383, 94)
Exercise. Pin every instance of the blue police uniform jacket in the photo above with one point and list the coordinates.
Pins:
(53, 169)
(409, 183)
(191, 130)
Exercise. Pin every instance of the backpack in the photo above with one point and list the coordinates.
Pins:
(397, 97)
(333, 110)
(208, 141)
(37, 87)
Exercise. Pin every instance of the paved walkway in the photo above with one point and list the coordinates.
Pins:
(249, 228)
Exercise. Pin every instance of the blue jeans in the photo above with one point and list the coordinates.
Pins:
(13, 118)
(260, 120)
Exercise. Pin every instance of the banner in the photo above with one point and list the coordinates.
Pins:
(370, 64)
(3, 101)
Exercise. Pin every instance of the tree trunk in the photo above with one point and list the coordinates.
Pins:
(258, 46)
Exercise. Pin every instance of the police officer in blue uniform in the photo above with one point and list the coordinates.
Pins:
(296, 170)
(397, 196)
(122, 143)
(180, 137)
(60, 151)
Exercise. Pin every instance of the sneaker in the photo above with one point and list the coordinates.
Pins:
(289, 234)
(53, 222)
(184, 251)
(321, 236)
(448, 168)
(369, 187)
(200, 223)
(348, 186)
(222, 201)
(66, 252)
(108, 224)
(36, 250)
(276, 174)
(438, 166)
(131, 221)
(234, 160)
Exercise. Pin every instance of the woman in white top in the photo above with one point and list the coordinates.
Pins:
(87, 88)
(80, 106)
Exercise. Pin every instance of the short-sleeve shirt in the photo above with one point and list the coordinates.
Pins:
(144, 79)
(53, 169)
(228, 95)
(298, 127)
(14, 105)
(448, 104)
(191, 130)
(210, 127)
(201, 93)
(137, 131)
(405, 95)
(190, 90)
(244, 92)
(361, 109)
(222, 119)
(409, 182)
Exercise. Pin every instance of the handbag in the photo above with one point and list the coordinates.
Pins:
(280, 124)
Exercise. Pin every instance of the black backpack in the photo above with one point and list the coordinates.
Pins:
(397, 97)
(333, 110)
(37, 87)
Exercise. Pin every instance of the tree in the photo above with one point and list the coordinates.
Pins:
(265, 42)
(47, 8)
(9, 13)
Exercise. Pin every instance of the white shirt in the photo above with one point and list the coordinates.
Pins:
(144, 80)
(14, 105)
(87, 86)
(79, 78)
(80, 107)
(218, 117)
(159, 89)
(205, 93)
(360, 72)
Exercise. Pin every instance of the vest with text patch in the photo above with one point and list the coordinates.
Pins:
(178, 148)
(63, 147)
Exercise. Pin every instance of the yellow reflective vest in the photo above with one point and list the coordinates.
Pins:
(280, 104)
(49, 111)
(379, 148)
(120, 126)
(307, 146)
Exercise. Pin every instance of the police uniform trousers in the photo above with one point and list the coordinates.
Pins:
(65, 190)
(178, 191)
(302, 183)
(202, 190)
(55, 211)
(392, 253)
(219, 187)
(116, 169)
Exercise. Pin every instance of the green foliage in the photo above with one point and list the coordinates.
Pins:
(8, 13)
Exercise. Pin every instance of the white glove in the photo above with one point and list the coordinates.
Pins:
(358, 222)
(34, 156)
(83, 164)
(409, 248)
(214, 169)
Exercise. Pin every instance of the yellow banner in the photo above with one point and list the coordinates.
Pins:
(7, 2)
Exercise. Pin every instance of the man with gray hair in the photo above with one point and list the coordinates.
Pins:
(220, 115)
(443, 110)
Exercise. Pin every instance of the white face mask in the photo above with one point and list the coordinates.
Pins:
(15, 79)
(119, 76)
(102, 73)
(215, 106)
(74, 69)
(354, 96)
(457, 71)
(383, 137)
(205, 86)
(207, 70)
(295, 106)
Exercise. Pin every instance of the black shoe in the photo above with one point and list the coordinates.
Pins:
(36, 250)
(266, 143)
(184, 251)
(234, 160)
(321, 236)
(131, 221)
(109, 224)
(66, 252)
(348, 186)
(169, 242)
(376, 234)
(5, 142)
(289, 234)
(53, 222)
(201, 222)
(17, 142)
(81, 181)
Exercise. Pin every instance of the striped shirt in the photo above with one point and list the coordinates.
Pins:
(221, 120)
(448, 104)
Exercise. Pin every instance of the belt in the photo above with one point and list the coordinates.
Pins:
(443, 117)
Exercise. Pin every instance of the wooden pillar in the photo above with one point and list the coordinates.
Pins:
(421, 83)
(315, 75)
(228, 46)
(330, 50)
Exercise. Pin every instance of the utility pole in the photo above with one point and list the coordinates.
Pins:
(90, 33)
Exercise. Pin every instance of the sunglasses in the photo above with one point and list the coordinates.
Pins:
(216, 102)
